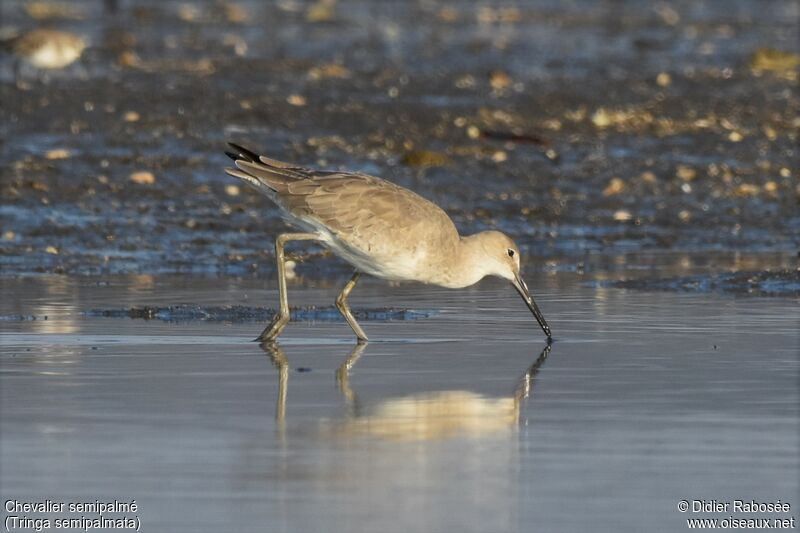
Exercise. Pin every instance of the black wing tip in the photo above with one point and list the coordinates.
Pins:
(241, 153)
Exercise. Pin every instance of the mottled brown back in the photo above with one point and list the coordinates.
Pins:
(368, 213)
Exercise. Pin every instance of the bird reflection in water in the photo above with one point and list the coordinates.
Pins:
(427, 416)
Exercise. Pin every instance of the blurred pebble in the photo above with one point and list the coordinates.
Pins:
(232, 190)
(290, 265)
(663, 79)
(58, 153)
(188, 12)
(648, 177)
(601, 118)
(473, 132)
(239, 45)
(51, 250)
(131, 116)
(9, 235)
(552, 124)
(735, 136)
(142, 177)
(684, 215)
(575, 115)
(465, 82)
(667, 13)
(615, 186)
(499, 80)
(448, 14)
(329, 70)
(686, 173)
(747, 189)
(321, 11)
(622, 215)
(632, 117)
(129, 59)
(236, 13)
(499, 156)
(296, 100)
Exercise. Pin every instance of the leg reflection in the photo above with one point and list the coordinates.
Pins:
(281, 362)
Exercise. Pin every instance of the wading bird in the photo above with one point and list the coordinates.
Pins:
(380, 228)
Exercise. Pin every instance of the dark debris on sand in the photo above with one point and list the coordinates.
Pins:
(766, 283)
(239, 313)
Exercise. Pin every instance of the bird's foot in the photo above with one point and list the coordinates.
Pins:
(274, 329)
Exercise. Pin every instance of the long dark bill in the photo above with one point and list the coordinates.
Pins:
(523, 291)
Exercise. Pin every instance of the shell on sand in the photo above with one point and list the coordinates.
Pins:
(49, 49)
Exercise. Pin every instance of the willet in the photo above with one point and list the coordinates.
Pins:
(378, 227)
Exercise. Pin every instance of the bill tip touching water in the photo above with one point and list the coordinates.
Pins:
(378, 227)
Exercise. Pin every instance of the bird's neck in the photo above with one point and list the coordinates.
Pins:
(469, 264)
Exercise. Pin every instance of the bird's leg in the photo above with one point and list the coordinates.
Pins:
(281, 318)
(344, 308)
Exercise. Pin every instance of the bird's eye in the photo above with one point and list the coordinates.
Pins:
(510, 252)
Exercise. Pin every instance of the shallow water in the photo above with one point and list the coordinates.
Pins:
(459, 421)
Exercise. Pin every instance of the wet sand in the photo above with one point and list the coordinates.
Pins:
(457, 421)
(579, 128)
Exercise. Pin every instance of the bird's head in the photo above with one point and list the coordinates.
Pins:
(503, 260)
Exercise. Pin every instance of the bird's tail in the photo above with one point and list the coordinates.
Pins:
(265, 174)
(241, 153)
